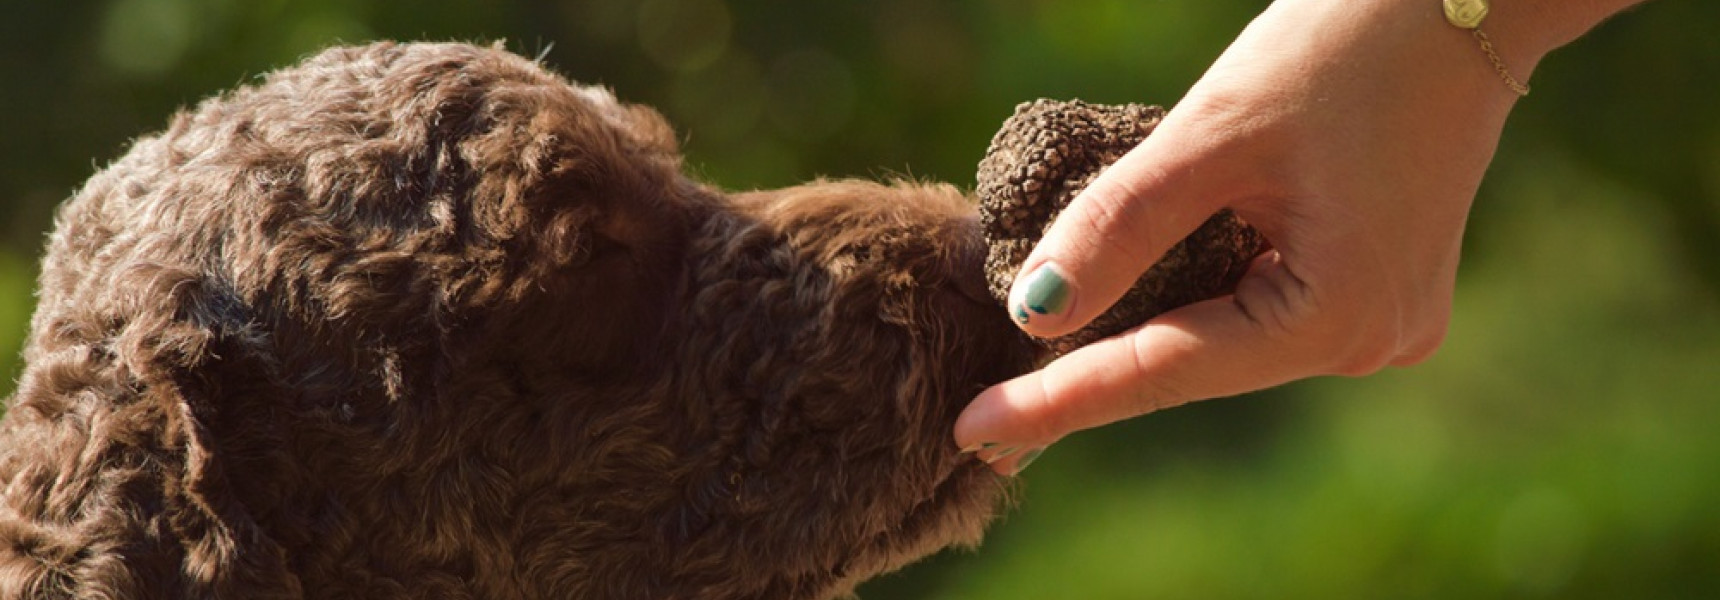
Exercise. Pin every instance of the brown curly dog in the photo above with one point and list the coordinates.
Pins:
(426, 321)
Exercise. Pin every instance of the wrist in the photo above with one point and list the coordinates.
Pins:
(1514, 35)
(1525, 31)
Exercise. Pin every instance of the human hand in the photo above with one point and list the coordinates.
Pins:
(1354, 137)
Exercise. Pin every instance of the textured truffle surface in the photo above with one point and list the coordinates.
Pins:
(1048, 152)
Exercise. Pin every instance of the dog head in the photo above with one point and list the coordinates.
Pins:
(425, 319)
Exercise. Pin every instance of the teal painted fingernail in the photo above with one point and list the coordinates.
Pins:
(1026, 459)
(1046, 291)
(1020, 315)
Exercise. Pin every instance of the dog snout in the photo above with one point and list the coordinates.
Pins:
(967, 268)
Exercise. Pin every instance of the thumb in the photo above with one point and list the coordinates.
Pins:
(1130, 215)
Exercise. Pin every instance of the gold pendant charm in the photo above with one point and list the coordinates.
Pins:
(1465, 13)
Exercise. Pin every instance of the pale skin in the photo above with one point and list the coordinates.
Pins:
(1354, 135)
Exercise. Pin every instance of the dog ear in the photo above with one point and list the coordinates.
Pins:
(116, 485)
(468, 181)
(226, 548)
(586, 198)
(174, 348)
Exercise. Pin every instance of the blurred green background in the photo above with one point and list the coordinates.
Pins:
(1564, 443)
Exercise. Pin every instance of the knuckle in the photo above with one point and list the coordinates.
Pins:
(1403, 341)
(1048, 416)
(1415, 355)
(1348, 336)
(1367, 355)
(1048, 422)
(1155, 388)
(1364, 340)
(1425, 345)
(1111, 222)
(1282, 306)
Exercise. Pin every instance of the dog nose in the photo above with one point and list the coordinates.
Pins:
(967, 271)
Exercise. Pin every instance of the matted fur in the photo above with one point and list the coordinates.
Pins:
(427, 321)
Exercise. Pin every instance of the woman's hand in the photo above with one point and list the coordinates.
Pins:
(1354, 136)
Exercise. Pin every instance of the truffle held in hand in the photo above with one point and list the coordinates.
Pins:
(1043, 157)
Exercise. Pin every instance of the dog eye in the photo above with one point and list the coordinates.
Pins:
(861, 254)
(599, 247)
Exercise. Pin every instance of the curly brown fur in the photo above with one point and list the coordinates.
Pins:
(426, 321)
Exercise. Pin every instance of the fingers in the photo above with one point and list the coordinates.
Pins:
(1125, 220)
(1220, 347)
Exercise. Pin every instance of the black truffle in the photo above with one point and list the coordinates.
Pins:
(1041, 158)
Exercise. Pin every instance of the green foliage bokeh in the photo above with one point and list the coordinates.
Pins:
(1562, 444)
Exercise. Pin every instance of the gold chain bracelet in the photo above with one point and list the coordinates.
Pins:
(1467, 14)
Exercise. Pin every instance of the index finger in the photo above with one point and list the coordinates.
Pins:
(1214, 348)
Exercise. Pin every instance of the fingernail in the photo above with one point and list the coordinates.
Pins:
(977, 447)
(1026, 459)
(1002, 454)
(1044, 292)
